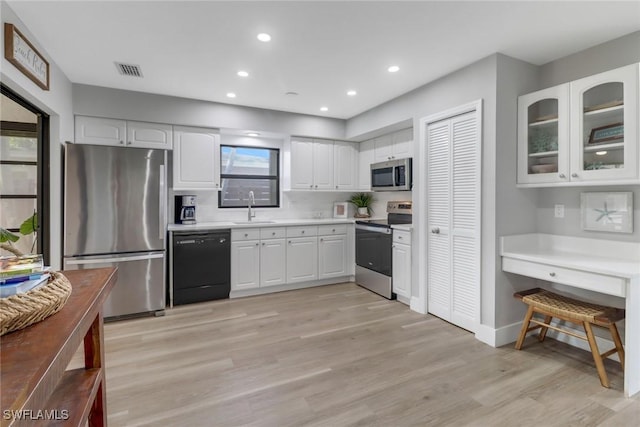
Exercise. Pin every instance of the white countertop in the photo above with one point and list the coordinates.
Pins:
(257, 223)
(613, 258)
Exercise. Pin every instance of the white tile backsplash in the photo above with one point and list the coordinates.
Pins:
(294, 205)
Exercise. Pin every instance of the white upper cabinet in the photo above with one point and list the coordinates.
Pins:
(322, 165)
(302, 164)
(345, 165)
(311, 164)
(397, 145)
(543, 136)
(150, 135)
(403, 144)
(365, 158)
(196, 159)
(581, 133)
(101, 131)
(604, 126)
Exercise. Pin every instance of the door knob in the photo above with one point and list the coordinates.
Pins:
(435, 230)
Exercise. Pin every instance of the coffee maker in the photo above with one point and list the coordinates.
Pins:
(185, 209)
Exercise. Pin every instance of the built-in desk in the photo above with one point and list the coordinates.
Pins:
(605, 266)
(37, 388)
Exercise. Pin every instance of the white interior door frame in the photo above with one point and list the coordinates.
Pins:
(419, 301)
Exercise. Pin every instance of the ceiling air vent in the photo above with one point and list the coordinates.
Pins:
(129, 70)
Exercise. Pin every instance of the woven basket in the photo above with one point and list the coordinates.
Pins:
(21, 310)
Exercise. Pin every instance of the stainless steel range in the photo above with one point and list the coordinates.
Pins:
(374, 239)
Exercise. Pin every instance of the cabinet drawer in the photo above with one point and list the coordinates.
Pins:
(328, 230)
(401, 236)
(303, 231)
(580, 279)
(240, 234)
(273, 233)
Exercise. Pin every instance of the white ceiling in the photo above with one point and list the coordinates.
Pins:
(319, 49)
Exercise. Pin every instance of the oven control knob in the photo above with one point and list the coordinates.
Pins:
(435, 230)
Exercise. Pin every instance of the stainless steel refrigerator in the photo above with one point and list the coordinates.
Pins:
(115, 215)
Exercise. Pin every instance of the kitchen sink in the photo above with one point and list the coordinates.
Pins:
(254, 222)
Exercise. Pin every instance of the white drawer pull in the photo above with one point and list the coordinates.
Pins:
(552, 274)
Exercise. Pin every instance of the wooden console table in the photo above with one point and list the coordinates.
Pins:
(36, 387)
(604, 266)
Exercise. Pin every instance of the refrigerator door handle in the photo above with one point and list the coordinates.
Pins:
(163, 203)
(81, 261)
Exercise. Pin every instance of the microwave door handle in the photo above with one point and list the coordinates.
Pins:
(396, 176)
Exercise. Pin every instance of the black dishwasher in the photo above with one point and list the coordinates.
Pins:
(201, 266)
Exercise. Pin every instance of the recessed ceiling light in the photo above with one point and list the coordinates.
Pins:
(324, 109)
(352, 93)
(253, 134)
(242, 73)
(601, 153)
(231, 95)
(264, 37)
(393, 69)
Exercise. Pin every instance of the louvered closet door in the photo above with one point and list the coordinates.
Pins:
(453, 188)
(438, 208)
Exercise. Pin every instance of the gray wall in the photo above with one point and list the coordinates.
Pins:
(122, 104)
(515, 209)
(471, 83)
(56, 102)
(613, 54)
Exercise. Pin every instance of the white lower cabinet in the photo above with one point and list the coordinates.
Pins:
(245, 264)
(332, 252)
(273, 262)
(272, 256)
(302, 254)
(401, 262)
(257, 258)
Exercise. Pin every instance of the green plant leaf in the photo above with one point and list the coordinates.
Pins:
(29, 225)
(7, 236)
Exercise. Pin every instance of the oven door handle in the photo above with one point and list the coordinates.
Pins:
(382, 230)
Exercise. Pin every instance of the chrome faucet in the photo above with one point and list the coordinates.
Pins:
(252, 201)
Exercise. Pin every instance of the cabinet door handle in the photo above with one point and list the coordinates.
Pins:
(316, 185)
(246, 235)
(289, 241)
(302, 232)
(311, 186)
(574, 175)
(552, 274)
(399, 237)
(128, 142)
(121, 142)
(333, 230)
(257, 244)
(435, 230)
(322, 240)
(562, 176)
(262, 243)
(273, 233)
(336, 187)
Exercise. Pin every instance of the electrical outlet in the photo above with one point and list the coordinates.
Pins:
(559, 211)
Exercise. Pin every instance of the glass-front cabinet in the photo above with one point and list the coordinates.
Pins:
(543, 136)
(604, 126)
(581, 133)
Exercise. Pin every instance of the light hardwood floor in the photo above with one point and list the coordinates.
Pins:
(340, 355)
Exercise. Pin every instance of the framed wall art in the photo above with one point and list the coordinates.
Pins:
(26, 58)
(607, 211)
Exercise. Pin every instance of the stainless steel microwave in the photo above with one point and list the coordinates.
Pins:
(394, 175)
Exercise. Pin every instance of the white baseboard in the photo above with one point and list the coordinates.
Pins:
(403, 299)
(509, 334)
(287, 287)
(418, 305)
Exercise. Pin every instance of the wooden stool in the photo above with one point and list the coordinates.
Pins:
(552, 305)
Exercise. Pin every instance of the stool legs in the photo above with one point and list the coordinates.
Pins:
(604, 380)
(618, 342)
(544, 329)
(525, 327)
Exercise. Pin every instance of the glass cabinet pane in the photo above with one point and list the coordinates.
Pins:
(542, 136)
(603, 127)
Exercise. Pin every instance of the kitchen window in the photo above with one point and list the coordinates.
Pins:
(245, 169)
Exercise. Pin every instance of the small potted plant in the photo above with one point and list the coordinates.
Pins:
(362, 202)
